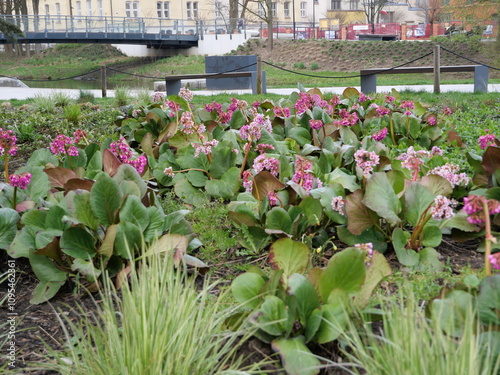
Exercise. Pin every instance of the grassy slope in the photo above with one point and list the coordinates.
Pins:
(322, 58)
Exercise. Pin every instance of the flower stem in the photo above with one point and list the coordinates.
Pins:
(391, 126)
(247, 151)
(488, 238)
(6, 167)
(14, 198)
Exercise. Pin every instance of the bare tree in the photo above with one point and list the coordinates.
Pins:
(430, 11)
(372, 10)
(264, 13)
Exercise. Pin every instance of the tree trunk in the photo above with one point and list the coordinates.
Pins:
(269, 25)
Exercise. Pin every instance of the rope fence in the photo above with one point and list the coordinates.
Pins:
(265, 62)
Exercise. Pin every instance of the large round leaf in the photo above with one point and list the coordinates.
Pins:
(246, 289)
(289, 256)
(78, 243)
(105, 199)
(8, 226)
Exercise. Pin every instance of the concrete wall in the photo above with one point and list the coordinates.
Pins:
(211, 45)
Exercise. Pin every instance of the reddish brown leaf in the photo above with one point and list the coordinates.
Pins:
(78, 183)
(359, 217)
(264, 182)
(110, 162)
(491, 159)
(58, 176)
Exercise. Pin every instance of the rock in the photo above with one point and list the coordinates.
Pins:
(11, 82)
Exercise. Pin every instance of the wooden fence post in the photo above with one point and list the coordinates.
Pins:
(104, 83)
(437, 73)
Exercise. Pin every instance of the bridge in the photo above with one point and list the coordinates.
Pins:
(152, 32)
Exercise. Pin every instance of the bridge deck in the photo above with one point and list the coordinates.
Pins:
(153, 32)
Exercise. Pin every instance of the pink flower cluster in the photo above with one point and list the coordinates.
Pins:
(78, 135)
(307, 101)
(237, 104)
(264, 162)
(281, 112)
(486, 140)
(303, 174)
(380, 135)
(253, 131)
(474, 207)
(383, 111)
(186, 94)
(431, 120)
(188, 125)
(263, 147)
(338, 204)
(158, 97)
(366, 161)
(7, 142)
(63, 144)
(495, 260)
(449, 171)
(447, 111)
(363, 98)
(389, 99)
(123, 152)
(247, 181)
(368, 249)
(443, 208)
(273, 198)
(174, 107)
(413, 159)
(346, 118)
(20, 180)
(316, 124)
(169, 172)
(204, 148)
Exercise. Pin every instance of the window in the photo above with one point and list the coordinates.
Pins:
(58, 12)
(132, 9)
(163, 9)
(336, 5)
(353, 4)
(47, 10)
(89, 8)
(286, 9)
(261, 11)
(303, 9)
(79, 9)
(274, 9)
(218, 9)
(99, 8)
(192, 9)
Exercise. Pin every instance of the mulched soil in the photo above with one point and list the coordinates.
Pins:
(39, 325)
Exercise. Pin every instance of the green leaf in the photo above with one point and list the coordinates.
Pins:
(197, 178)
(347, 181)
(134, 211)
(418, 199)
(45, 269)
(227, 186)
(83, 210)
(126, 172)
(272, 316)
(34, 218)
(223, 158)
(105, 199)
(42, 157)
(44, 291)
(325, 196)
(407, 257)
(376, 272)
(156, 224)
(306, 296)
(279, 219)
(380, 197)
(246, 289)
(86, 268)
(289, 256)
(39, 185)
(23, 243)
(429, 260)
(334, 320)
(54, 219)
(489, 300)
(370, 235)
(45, 237)
(185, 191)
(348, 136)
(313, 210)
(452, 311)
(437, 185)
(8, 226)
(78, 243)
(108, 243)
(128, 239)
(432, 236)
(301, 135)
(346, 270)
(296, 357)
